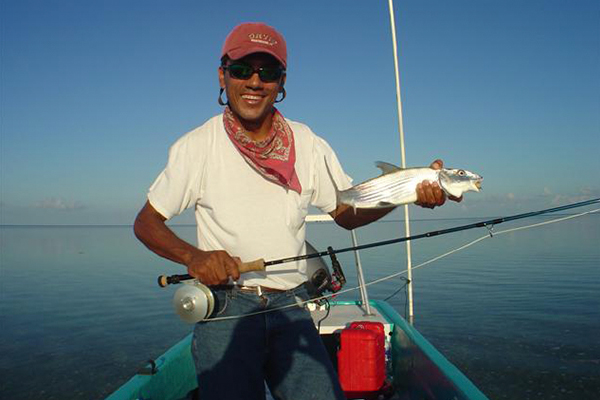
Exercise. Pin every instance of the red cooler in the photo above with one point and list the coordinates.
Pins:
(361, 359)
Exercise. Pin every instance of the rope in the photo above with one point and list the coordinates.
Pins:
(392, 276)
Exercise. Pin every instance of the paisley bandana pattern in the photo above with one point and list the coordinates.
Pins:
(274, 157)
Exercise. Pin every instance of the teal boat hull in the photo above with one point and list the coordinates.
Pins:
(418, 370)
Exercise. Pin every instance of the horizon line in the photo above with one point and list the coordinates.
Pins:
(193, 224)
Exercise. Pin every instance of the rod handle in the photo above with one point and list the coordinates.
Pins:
(252, 266)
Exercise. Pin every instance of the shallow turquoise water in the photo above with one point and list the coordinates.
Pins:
(518, 313)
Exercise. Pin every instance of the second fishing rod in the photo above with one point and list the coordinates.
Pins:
(260, 265)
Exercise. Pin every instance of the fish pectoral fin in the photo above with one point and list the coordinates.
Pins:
(387, 168)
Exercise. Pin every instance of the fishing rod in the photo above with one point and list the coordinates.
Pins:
(259, 265)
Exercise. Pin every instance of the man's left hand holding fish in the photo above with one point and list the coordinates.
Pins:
(430, 194)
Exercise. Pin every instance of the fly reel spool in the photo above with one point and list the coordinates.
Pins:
(193, 302)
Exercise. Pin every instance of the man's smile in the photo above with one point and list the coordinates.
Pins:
(252, 98)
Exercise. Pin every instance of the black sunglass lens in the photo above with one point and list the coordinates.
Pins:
(240, 71)
(270, 74)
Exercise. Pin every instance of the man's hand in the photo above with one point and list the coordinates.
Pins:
(213, 267)
(430, 194)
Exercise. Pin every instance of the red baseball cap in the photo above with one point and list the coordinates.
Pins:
(255, 37)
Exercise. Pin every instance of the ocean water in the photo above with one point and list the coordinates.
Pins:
(518, 313)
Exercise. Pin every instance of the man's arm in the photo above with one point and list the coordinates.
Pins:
(429, 195)
(210, 267)
(347, 218)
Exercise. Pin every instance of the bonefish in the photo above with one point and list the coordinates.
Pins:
(396, 186)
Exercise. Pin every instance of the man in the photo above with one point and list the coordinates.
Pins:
(251, 175)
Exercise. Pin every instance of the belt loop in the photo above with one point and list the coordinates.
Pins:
(258, 291)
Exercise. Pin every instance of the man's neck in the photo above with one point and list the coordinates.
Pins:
(257, 131)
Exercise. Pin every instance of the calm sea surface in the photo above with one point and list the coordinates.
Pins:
(519, 314)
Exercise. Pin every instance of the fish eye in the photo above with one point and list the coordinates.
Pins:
(461, 172)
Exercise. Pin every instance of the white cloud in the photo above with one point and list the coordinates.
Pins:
(588, 191)
(54, 203)
(585, 193)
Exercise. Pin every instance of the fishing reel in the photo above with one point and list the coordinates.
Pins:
(193, 301)
(320, 280)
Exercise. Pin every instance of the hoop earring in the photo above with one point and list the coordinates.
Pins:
(282, 97)
(220, 100)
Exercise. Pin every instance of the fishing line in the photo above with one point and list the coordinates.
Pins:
(327, 308)
(403, 287)
(392, 276)
(398, 290)
(488, 224)
(471, 243)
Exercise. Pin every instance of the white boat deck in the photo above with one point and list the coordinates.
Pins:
(341, 315)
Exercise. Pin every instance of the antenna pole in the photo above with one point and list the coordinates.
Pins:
(361, 278)
(403, 153)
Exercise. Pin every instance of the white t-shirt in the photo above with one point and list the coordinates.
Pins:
(238, 210)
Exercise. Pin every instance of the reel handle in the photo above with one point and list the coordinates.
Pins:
(252, 266)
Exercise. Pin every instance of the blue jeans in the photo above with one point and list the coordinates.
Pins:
(234, 358)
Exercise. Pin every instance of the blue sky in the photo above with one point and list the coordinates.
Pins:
(94, 93)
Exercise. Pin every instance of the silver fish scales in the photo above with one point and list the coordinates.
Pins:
(397, 186)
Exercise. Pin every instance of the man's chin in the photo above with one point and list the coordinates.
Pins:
(253, 117)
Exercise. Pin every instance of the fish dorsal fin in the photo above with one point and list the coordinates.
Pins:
(387, 168)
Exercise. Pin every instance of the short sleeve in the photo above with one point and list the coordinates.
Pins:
(178, 185)
(329, 175)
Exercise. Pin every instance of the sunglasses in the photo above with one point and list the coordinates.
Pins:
(244, 71)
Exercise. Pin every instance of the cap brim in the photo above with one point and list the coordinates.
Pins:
(238, 53)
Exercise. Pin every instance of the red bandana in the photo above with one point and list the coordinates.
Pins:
(275, 157)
